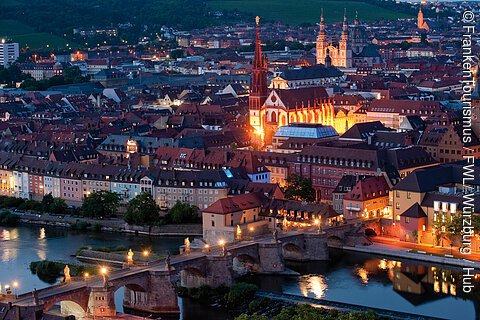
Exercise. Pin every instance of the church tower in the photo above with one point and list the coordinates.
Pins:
(259, 88)
(321, 44)
(344, 47)
(421, 24)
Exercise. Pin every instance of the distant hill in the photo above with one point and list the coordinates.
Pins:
(308, 11)
(41, 22)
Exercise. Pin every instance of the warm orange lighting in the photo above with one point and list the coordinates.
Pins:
(103, 270)
(146, 253)
(221, 242)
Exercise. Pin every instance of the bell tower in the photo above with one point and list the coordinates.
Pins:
(321, 45)
(344, 46)
(259, 88)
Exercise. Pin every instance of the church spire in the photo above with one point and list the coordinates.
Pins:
(321, 34)
(345, 26)
(259, 88)
(356, 19)
(345, 21)
(258, 58)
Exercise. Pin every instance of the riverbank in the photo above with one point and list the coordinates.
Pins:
(111, 225)
(395, 252)
(341, 306)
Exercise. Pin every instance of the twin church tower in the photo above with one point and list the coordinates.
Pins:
(352, 48)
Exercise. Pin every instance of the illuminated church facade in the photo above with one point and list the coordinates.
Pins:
(297, 96)
(352, 50)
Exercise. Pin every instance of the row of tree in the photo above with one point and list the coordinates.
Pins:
(141, 210)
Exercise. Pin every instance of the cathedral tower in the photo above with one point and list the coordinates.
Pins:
(259, 88)
(321, 44)
(344, 47)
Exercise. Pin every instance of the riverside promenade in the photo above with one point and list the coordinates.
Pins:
(111, 225)
(389, 247)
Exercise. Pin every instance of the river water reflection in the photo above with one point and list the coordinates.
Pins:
(366, 280)
(354, 278)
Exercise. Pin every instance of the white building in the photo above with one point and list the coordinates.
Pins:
(9, 53)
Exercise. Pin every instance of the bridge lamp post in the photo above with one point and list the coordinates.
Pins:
(207, 248)
(85, 276)
(319, 225)
(104, 272)
(15, 287)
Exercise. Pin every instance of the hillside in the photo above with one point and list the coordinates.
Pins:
(49, 23)
(308, 11)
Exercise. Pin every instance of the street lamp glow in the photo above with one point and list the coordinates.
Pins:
(317, 222)
(221, 242)
(86, 274)
(103, 270)
(146, 253)
(15, 284)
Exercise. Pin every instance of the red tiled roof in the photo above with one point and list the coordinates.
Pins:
(237, 203)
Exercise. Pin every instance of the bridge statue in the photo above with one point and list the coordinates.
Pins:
(35, 296)
(66, 272)
(275, 234)
(130, 257)
(285, 224)
(239, 232)
(187, 245)
(167, 262)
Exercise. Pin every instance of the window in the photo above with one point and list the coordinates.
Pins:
(407, 219)
(409, 195)
(397, 205)
(213, 223)
(453, 208)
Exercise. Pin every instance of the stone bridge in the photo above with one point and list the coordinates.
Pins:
(152, 289)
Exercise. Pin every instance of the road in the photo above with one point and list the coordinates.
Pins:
(440, 251)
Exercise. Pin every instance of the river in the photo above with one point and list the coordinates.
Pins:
(354, 278)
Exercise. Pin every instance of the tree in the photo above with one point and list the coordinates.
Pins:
(240, 294)
(299, 188)
(100, 204)
(142, 210)
(58, 206)
(183, 213)
(47, 202)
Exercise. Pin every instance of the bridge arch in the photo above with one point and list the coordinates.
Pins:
(370, 232)
(192, 277)
(72, 308)
(71, 305)
(292, 251)
(334, 241)
(244, 263)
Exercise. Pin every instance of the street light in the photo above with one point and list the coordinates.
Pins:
(318, 224)
(104, 272)
(15, 286)
(85, 276)
(207, 248)
(146, 253)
